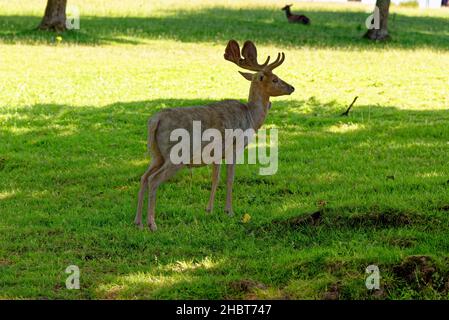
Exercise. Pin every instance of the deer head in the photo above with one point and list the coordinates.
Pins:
(264, 79)
(287, 7)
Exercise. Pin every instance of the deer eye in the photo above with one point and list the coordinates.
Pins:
(275, 80)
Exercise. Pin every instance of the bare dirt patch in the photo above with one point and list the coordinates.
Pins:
(5, 262)
(333, 292)
(420, 271)
(245, 285)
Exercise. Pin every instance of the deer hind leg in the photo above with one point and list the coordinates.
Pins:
(215, 180)
(165, 172)
(230, 171)
(155, 164)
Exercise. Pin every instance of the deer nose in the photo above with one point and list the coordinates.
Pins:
(292, 88)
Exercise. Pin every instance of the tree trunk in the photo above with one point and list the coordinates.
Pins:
(382, 32)
(54, 18)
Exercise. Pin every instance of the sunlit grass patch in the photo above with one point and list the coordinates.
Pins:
(345, 127)
(156, 282)
(6, 195)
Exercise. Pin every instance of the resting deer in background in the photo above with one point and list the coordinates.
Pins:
(228, 114)
(295, 18)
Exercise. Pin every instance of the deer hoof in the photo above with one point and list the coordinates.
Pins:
(152, 227)
(208, 210)
(138, 224)
(229, 212)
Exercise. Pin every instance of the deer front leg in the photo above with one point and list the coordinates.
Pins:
(215, 179)
(230, 170)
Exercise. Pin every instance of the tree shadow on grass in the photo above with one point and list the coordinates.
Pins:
(71, 144)
(329, 29)
(72, 173)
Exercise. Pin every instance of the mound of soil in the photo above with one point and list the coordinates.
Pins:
(391, 218)
(420, 271)
(312, 219)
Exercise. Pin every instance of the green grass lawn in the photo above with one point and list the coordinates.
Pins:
(73, 147)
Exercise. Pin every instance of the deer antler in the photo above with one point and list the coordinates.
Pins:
(279, 60)
(249, 52)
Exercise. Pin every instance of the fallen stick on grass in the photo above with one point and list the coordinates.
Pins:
(346, 113)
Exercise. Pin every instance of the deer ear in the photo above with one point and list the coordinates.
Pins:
(248, 76)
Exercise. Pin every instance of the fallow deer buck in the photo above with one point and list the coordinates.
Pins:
(228, 114)
(295, 18)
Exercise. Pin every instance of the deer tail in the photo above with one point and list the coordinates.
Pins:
(153, 124)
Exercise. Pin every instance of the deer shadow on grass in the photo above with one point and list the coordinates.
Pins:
(329, 29)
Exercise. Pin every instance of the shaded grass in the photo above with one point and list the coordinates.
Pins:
(331, 27)
(76, 194)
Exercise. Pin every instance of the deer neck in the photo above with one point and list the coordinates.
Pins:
(288, 13)
(258, 106)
